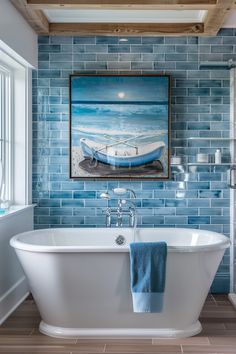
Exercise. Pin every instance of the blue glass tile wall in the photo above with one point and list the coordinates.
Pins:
(200, 108)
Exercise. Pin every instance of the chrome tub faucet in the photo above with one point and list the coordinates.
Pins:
(124, 208)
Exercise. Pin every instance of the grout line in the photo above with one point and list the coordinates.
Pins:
(181, 347)
(104, 349)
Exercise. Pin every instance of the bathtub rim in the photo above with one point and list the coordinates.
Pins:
(19, 245)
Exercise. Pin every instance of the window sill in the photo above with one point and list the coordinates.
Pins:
(15, 210)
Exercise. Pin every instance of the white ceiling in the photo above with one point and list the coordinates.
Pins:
(125, 16)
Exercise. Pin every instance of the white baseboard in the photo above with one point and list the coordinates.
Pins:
(13, 298)
(232, 299)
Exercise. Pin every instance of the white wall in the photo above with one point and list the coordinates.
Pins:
(17, 34)
(19, 41)
(13, 284)
(231, 20)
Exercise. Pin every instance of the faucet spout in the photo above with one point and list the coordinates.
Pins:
(108, 217)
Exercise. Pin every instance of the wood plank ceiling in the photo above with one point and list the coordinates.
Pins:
(217, 11)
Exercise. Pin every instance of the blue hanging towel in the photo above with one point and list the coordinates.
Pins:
(148, 273)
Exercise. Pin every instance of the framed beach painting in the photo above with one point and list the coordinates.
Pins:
(120, 126)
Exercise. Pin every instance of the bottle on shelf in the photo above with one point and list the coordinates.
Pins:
(218, 157)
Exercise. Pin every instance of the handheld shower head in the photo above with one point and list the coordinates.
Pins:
(122, 191)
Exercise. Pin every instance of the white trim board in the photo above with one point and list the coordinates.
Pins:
(232, 299)
(12, 298)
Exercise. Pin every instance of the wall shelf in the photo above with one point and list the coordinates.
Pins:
(201, 138)
(210, 139)
(203, 164)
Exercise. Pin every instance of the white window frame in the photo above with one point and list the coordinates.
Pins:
(6, 135)
(19, 173)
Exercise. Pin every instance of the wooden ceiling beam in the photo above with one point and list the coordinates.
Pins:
(36, 18)
(124, 4)
(126, 29)
(32, 11)
(216, 17)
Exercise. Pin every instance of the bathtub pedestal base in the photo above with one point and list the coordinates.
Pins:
(60, 332)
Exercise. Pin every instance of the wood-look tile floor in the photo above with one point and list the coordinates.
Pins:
(19, 334)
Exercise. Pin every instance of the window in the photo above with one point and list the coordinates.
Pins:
(6, 133)
(15, 129)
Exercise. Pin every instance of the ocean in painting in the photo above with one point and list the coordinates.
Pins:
(118, 116)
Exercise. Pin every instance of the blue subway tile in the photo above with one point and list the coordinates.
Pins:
(107, 40)
(152, 203)
(176, 40)
(43, 39)
(199, 220)
(60, 57)
(84, 194)
(118, 65)
(79, 48)
(131, 40)
(84, 40)
(204, 203)
(72, 220)
(220, 220)
(49, 48)
(222, 49)
(176, 57)
(164, 65)
(145, 48)
(201, 104)
(119, 48)
(60, 39)
(220, 202)
(72, 203)
(60, 194)
(84, 57)
(49, 73)
(164, 49)
(176, 220)
(187, 211)
(97, 48)
(210, 211)
(153, 220)
(175, 203)
(50, 220)
(162, 211)
(96, 65)
(60, 211)
(152, 40)
(84, 211)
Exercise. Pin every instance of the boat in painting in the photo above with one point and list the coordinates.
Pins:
(129, 155)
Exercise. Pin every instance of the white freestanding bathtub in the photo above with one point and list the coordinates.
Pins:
(80, 280)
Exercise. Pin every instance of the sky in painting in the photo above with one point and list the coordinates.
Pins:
(119, 89)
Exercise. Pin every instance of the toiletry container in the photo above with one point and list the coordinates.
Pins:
(176, 160)
(202, 158)
(218, 156)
